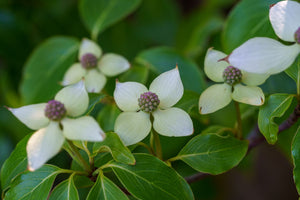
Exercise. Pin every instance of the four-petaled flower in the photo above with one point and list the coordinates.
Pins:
(218, 96)
(265, 55)
(94, 67)
(53, 125)
(140, 105)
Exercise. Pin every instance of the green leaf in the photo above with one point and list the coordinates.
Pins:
(188, 101)
(65, 190)
(296, 159)
(152, 179)
(105, 189)
(292, 71)
(115, 146)
(33, 185)
(136, 73)
(107, 117)
(162, 59)
(94, 99)
(212, 153)
(250, 18)
(15, 164)
(275, 106)
(49, 60)
(97, 15)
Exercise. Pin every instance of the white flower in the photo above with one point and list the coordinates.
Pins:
(140, 105)
(94, 67)
(53, 124)
(265, 55)
(218, 96)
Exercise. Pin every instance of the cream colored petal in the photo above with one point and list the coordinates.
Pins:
(264, 56)
(248, 94)
(168, 87)
(132, 127)
(43, 145)
(214, 68)
(214, 98)
(127, 94)
(285, 19)
(172, 122)
(75, 99)
(32, 116)
(89, 46)
(253, 79)
(94, 81)
(112, 64)
(74, 74)
(84, 128)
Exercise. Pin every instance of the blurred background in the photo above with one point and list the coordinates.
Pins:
(190, 27)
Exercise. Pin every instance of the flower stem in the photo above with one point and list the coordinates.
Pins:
(147, 147)
(77, 157)
(239, 120)
(158, 149)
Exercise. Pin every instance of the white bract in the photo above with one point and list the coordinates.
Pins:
(140, 105)
(219, 95)
(94, 67)
(53, 124)
(265, 55)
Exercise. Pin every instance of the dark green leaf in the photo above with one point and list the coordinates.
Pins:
(152, 179)
(33, 185)
(107, 117)
(100, 14)
(275, 106)
(65, 190)
(250, 18)
(212, 153)
(45, 68)
(115, 146)
(136, 73)
(162, 59)
(296, 159)
(94, 99)
(105, 189)
(188, 101)
(15, 164)
(292, 71)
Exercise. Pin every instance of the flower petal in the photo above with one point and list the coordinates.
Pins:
(84, 128)
(253, 79)
(248, 95)
(74, 74)
(32, 116)
(88, 46)
(172, 122)
(214, 98)
(168, 87)
(214, 68)
(132, 127)
(285, 19)
(263, 56)
(94, 81)
(75, 99)
(127, 94)
(112, 64)
(43, 145)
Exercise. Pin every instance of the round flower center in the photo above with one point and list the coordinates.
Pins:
(232, 75)
(297, 36)
(148, 102)
(88, 61)
(55, 110)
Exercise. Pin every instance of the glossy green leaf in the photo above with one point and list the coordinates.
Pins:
(97, 15)
(293, 70)
(15, 164)
(296, 159)
(105, 189)
(107, 117)
(275, 106)
(162, 59)
(152, 179)
(136, 73)
(250, 18)
(115, 146)
(65, 190)
(33, 185)
(94, 99)
(45, 68)
(212, 153)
